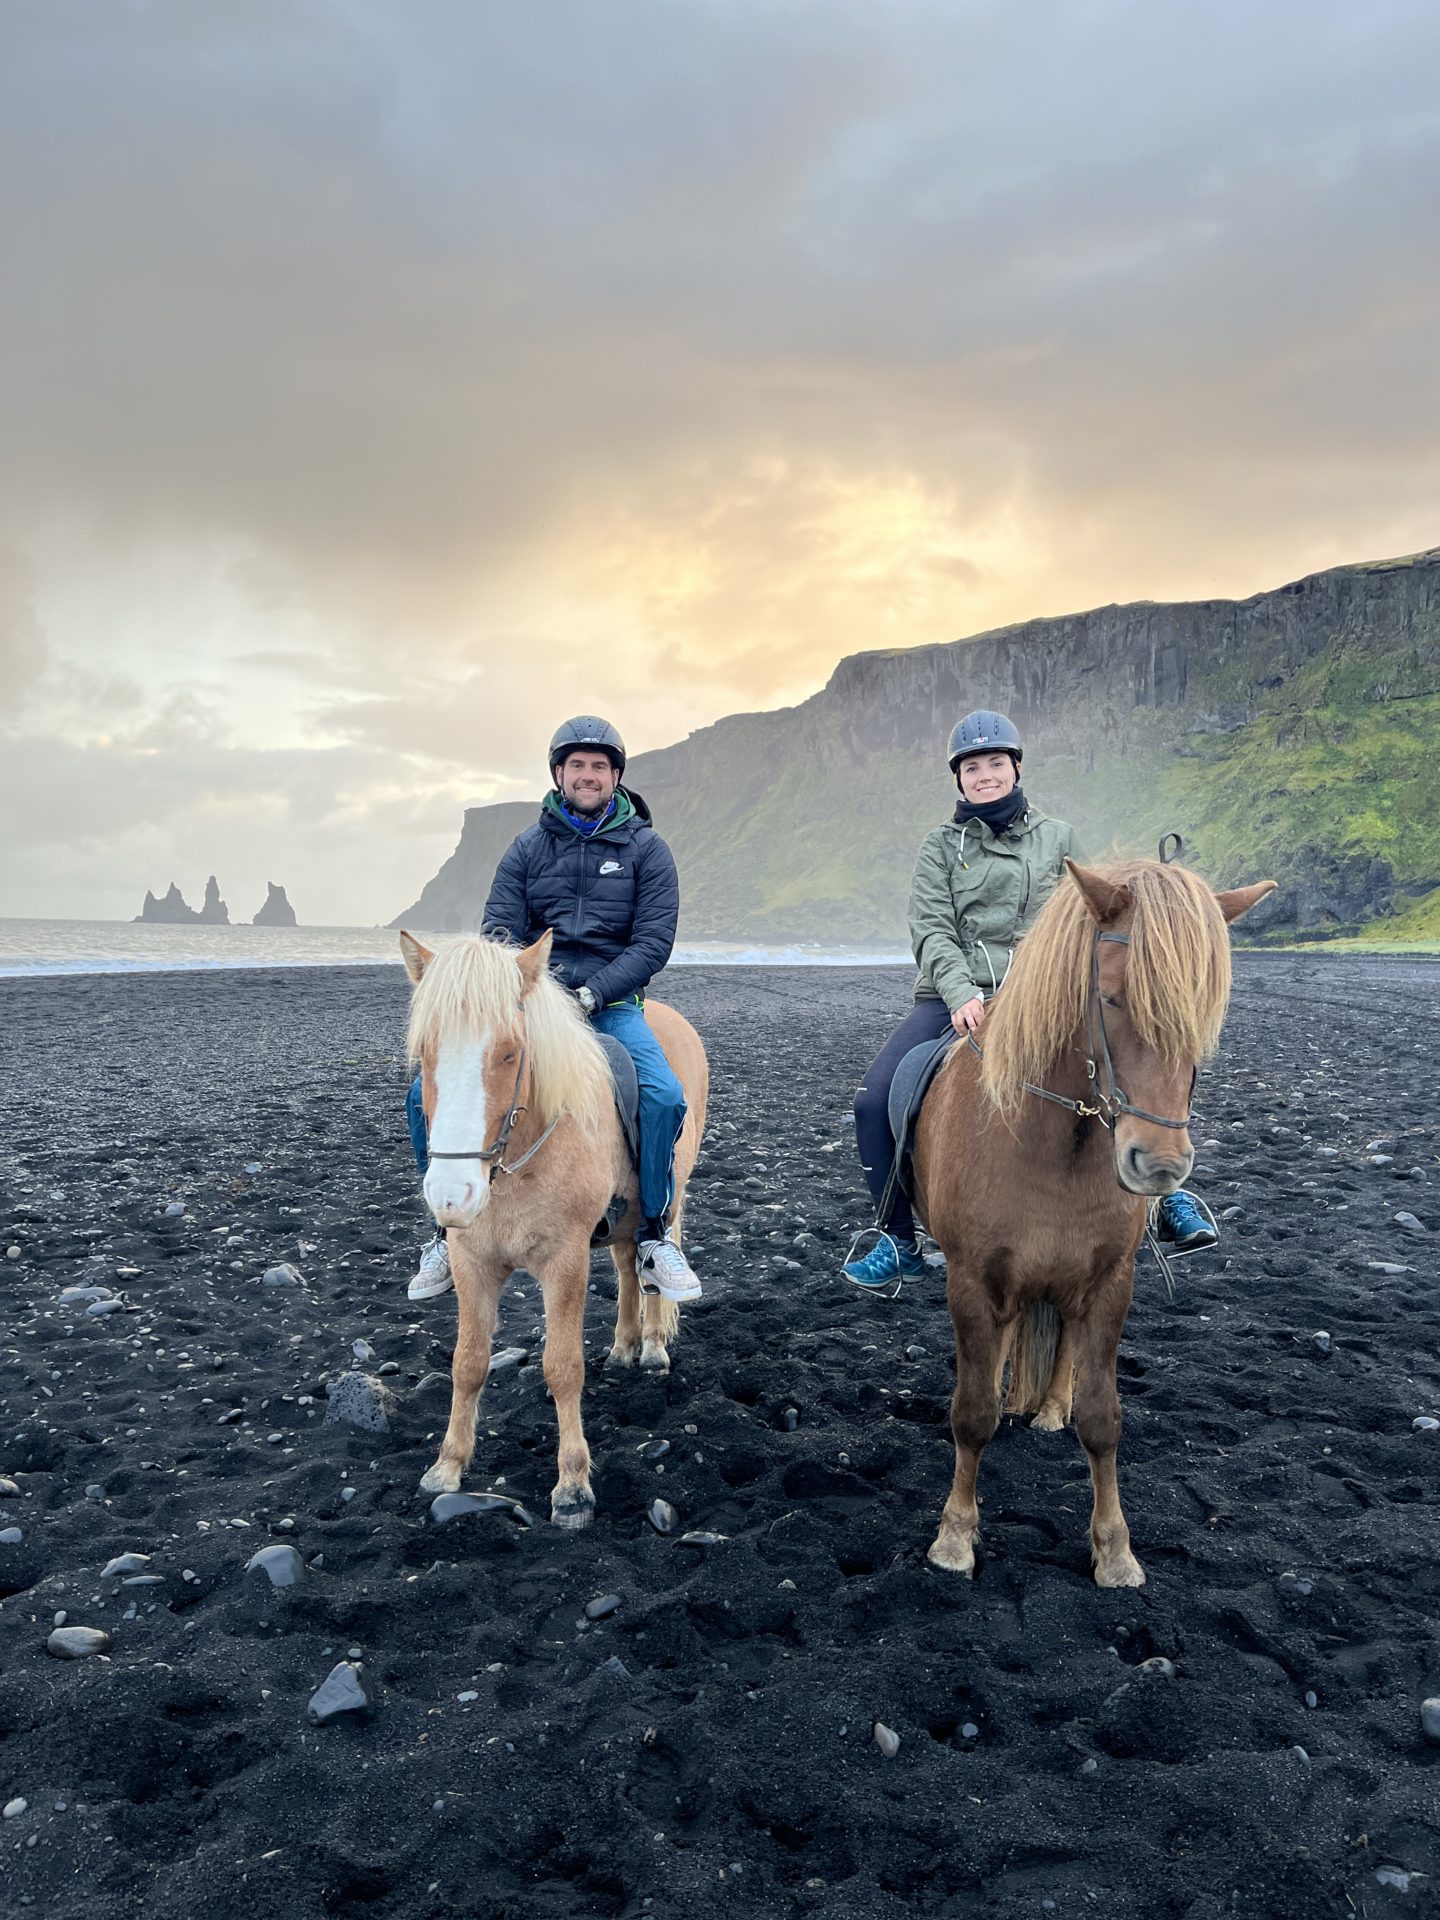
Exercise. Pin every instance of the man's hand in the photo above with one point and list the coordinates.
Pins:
(969, 1018)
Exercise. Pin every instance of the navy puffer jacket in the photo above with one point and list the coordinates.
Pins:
(611, 898)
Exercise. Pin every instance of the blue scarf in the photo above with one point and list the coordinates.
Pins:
(584, 824)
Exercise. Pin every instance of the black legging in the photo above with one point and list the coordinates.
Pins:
(929, 1020)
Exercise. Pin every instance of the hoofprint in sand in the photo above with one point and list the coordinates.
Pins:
(555, 1722)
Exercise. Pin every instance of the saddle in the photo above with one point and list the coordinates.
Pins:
(913, 1079)
(625, 1089)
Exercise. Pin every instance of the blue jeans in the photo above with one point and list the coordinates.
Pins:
(415, 1121)
(662, 1110)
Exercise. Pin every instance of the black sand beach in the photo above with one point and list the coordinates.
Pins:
(707, 1745)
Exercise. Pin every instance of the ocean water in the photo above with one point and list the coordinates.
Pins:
(123, 946)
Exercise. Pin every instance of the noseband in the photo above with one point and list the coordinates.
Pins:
(1111, 1103)
(493, 1156)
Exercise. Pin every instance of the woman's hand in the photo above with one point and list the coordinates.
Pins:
(969, 1018)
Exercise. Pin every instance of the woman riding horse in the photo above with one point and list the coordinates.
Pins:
(980, 881)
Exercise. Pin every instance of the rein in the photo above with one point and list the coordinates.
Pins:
(1113, 1104)
(493, 1156)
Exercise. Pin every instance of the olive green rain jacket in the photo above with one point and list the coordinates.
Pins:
(975, 893)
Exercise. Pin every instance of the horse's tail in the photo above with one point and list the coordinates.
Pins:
(1032, 1358)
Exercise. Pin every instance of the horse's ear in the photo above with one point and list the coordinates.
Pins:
(1106, 899)
(416, 957)
(534, 961)
(1239, 900)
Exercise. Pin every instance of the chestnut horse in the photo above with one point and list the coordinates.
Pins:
(1038, 1151)
(528, 1154)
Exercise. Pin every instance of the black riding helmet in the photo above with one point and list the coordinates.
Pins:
(984, 732)
(587, 730)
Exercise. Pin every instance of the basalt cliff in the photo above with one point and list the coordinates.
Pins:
(1292, 735)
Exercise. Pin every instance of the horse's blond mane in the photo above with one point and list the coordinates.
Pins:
(473, 986)
(1177, 977)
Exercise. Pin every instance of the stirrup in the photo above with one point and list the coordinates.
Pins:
(880, 1233)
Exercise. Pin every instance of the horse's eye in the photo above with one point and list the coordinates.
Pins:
(1111, 1001)
(508, 1059)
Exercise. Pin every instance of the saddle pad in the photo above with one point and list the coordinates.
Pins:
(913, 1077)
(625, 1086)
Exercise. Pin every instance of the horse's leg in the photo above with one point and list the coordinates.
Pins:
(662, 1324)
(662, 1317)
(477, 1295)
(1097, 1421)
(626, 1348)
(562, 1283)
(974, 1416)
(1053, 1412)
(1007, 1341)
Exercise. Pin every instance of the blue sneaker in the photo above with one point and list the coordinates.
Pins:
(886, 1265)
(1181, 1222)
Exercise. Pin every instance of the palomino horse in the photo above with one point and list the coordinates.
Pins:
(527, 1154)
(1038, 1149)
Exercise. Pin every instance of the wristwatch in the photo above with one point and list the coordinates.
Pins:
(588, 1002)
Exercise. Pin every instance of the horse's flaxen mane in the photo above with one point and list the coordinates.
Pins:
(1177, 979)
(472, 987)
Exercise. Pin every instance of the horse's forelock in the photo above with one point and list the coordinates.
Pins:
(474, 986)
(1177, 979)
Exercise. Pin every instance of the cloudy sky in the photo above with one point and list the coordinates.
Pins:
(380, 383)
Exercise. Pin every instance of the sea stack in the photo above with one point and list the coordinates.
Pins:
(172, 911)
(214, 912)
(277, 910)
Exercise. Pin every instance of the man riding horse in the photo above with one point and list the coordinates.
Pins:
(595, 873)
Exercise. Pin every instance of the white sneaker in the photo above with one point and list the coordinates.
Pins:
(665, 1270)
(433, 1276)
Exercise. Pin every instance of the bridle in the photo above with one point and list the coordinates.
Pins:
(1110, 1101)
(493, 1156)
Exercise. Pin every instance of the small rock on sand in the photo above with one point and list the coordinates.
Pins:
(280, 1563)
(124, 1563)
(1430, 1719)
(361, 1401)
(887, 1740)
(1410, 1223)
(340, 1692)
(283, 1275)
(77, 1643)
(455, 1506)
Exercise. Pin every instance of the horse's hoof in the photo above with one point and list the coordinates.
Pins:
(574, 1511)
(955, 1556)
(619, 1356)
(654, 1358)
(1122, 1570)
(1050, 1420)
(441, 1478)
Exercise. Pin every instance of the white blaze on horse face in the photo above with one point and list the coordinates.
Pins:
(456, 1190)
